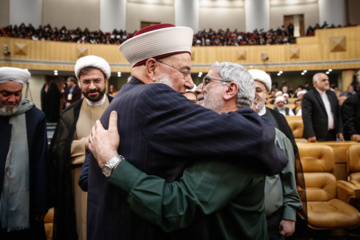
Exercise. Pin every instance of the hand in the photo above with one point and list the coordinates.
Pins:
(341, 137)
(286, 228)
(312, 139)
(104, 143)
(355, 137)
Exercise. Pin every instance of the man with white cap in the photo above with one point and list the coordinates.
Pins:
(24, 169)
(68, 146)
(162, 133)
(281, 108)
(281, 196)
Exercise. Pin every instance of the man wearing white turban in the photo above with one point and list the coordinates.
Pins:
(24, 170)
(68, 146)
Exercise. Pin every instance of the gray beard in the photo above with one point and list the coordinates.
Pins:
(260, 106)
(281, 108)
(213, 101)
(6, 111)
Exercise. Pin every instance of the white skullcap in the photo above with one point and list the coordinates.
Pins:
(261, 76)
(157, 41)
(285, 95)
(191, 90)
(278, 93)
(92, 61)
(302, 92)
(279, 99)
(14, 74)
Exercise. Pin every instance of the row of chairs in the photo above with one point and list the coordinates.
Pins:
(331, 172)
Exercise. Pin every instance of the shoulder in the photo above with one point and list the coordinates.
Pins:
(35, 115)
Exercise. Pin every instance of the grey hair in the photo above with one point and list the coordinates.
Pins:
(237, 73)
(316, 77)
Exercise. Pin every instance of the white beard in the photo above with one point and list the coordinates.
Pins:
(6, 111)
(165, 79)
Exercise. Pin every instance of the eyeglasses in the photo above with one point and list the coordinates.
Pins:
(207, 80)
(186, 72)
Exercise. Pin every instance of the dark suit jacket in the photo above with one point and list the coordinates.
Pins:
(315, 117)
(162, 132)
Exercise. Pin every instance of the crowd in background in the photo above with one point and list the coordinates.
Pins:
(207, 37)
(287, 95)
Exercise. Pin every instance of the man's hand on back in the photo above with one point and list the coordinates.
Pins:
(104, 143)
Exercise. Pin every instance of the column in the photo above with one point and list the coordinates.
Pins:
(187, 13)
(333, 12)
(347, 78)
(257, 15)
(25, 11)
(112, 15)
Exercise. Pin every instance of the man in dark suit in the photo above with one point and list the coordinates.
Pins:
(157, 123)
(321, 112)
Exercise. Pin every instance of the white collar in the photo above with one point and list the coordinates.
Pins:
(262, 111)
(320, 92)
(98, 103)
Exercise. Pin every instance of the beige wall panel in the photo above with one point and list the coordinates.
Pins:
(137, 12)
(309, 9)
(33, 91)
(314, 54)
(72, 14)
(222, 18)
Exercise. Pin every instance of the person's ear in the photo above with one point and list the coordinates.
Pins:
(231, 91)
(151, 68)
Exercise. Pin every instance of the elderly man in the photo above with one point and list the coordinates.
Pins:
(175, 205)
(281, 107)
(68, 146)
(281, 196)
(158, 123)
(321, 112)
(24, 170)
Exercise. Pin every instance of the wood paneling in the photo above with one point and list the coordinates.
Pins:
(312, 53)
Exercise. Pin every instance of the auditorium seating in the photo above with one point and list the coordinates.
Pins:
(349, 191)
(324, 210)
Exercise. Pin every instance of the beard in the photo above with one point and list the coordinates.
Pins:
(8, 111)
(165, 79)
(281, 108)
(213, 100)
(261, 105)
(94, 98)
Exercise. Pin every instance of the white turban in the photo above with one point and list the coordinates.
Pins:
(278, 93)
(301, 92)
(285, 95)
(14, 74)
(92, 61)
(157, 41)
(261, 76)
(279, 99)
